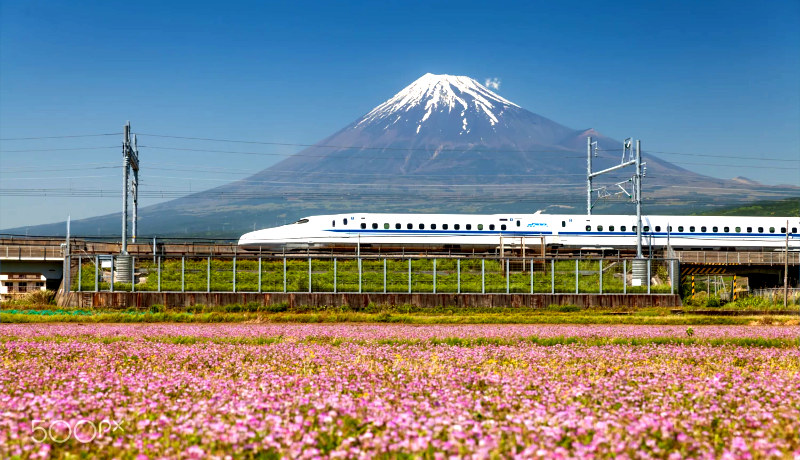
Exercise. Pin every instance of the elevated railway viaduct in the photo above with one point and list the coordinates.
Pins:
(46, 256)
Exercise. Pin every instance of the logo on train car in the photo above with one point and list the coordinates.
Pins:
(537, 224)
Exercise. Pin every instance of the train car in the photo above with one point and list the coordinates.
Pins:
(473, 231)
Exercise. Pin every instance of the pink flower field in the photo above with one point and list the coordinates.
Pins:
(143, 391)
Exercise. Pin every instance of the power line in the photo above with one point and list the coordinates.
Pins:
(81, 168)
(58, 137)
(725, 156)
(706, 155)
(59, 149)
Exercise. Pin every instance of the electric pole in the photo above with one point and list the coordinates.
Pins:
(126, 158)
(637, 183)
(130, 160)
(135, 188)
(589, 175)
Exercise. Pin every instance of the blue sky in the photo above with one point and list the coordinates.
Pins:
(707, 78)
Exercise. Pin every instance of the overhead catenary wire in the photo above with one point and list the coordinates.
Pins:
(60, 149)
(58, 137)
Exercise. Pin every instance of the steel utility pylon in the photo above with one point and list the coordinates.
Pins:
(130, 160)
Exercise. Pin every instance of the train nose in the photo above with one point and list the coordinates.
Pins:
(249, 239)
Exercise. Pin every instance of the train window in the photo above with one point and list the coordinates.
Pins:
(610, 228)
(301, 221)
(480, 226)
(772, 229)
(749, 229)
(363, 225)
(738, 229)
(599, 228)
(491, 226)
(794, 229)
(646, 228)
(783, 229)
(409, 226)
(374, 226)
(398, 226)
(622, 228)
(444, 226)
(760, 229)
(469, 226)
(422, 226)
(691, 228)
(457, 226)
(680, 228)
(386, 226)
(715, 229)
(563, 223)
(726, 229)
(503, 227)
(658, 228)
(633, 229)
(703, 229)
(518, 223)
(333, 224)
(588, 228)
(433, 226)
(344, 221)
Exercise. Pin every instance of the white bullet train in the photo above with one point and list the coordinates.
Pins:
(470, 231)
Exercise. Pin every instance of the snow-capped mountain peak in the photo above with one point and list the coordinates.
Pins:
(431, 94)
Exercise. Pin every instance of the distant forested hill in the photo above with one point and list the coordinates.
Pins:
(789, 207)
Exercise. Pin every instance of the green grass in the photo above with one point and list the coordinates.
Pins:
(218, 276)
(386, 315)
(445, 341)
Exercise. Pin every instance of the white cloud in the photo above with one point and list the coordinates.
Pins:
(492, 83)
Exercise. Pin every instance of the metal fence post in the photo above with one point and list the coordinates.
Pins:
(624, 276)
(359, 275)
(208, 274)
(259, 274)
(309, 275)
(112, 273)
(458, 276)
(552, 276)
(384, 276)
(483, 276)
(409, 276)
(673, 271)
(531, 275)
(649, 263)
(96, 270)
(508, 276)
(600, 270)
(334, 275)
(434, 276)
(234, 273)
(183, 273)
(576, 276)
(284, 274)
(133, 274)
(159, 273)
(80, 265)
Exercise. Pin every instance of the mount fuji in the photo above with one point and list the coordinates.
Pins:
(442, 144)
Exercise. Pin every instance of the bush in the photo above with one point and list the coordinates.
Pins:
(564, 308)
(713, 302)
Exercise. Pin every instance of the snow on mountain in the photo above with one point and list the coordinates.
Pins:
(439, 93)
